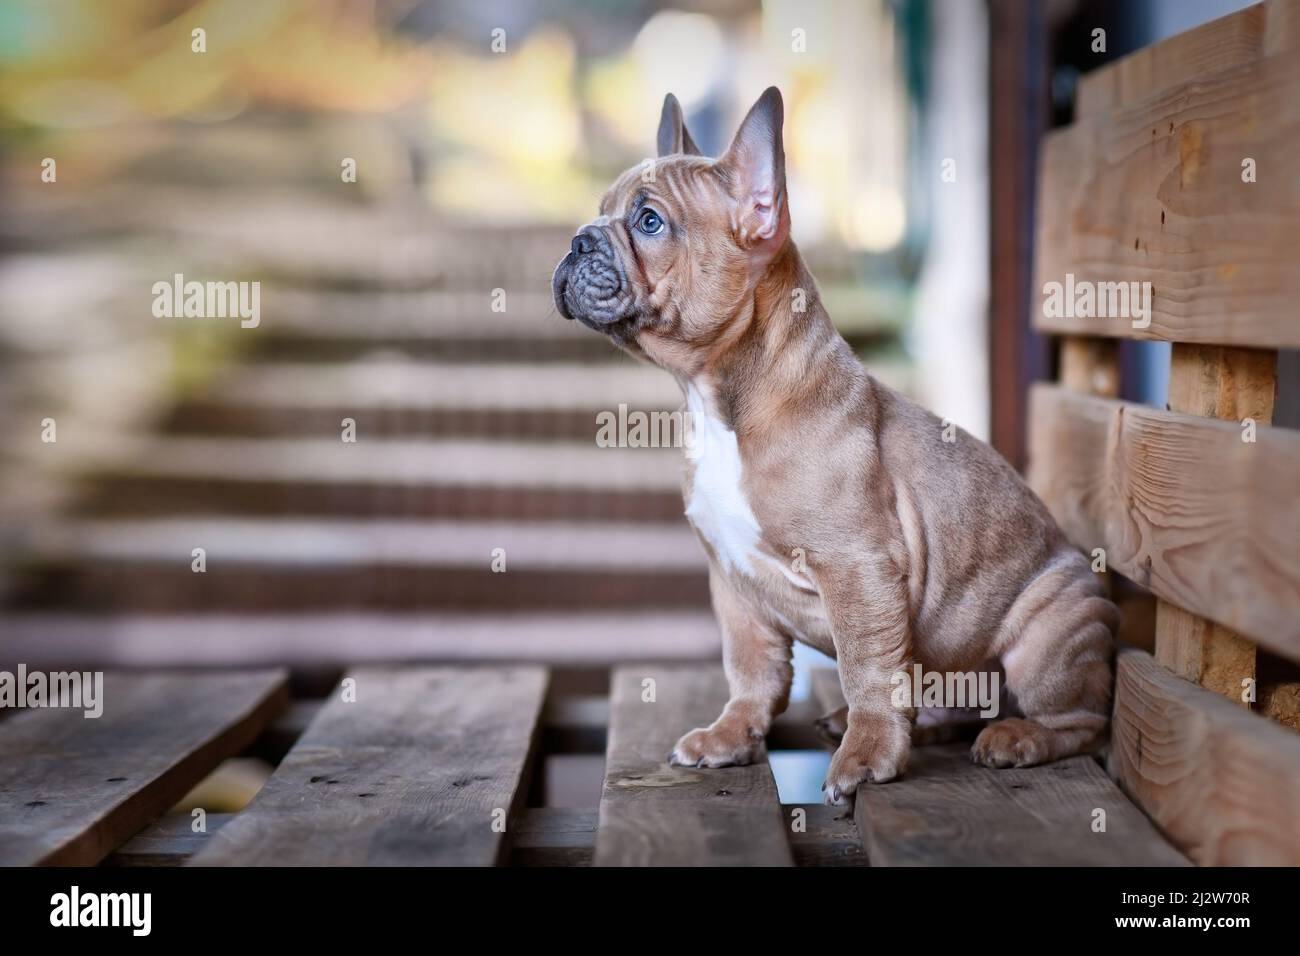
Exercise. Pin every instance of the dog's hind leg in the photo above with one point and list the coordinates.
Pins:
(1058, 672)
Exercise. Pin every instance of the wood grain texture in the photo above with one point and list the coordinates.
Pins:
(829, 836)
(1204, 652)
(72, 789)
(1090, 365)
(554, 836)
(652, 814)
(1181, 504)
(1221, 44)
(946, 811)
(1222, 783)
(1233, 385)
(168, 841)
(410, 774)
(1147, 186)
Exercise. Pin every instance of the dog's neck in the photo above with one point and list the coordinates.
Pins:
(780, 352)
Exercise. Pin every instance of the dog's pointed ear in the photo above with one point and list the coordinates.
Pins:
(756, 161)
(673, 136)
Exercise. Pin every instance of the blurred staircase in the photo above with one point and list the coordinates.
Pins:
(475, 431)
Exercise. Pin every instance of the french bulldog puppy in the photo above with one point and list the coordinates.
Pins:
(831, 507)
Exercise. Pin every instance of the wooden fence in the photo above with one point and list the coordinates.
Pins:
(1179, 173)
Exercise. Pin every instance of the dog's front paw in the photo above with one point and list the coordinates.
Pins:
(871, 752)
(722, 745)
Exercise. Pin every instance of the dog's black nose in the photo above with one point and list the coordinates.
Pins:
(583, 242)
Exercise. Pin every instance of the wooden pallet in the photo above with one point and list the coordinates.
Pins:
(432, 766)
(1196, 501)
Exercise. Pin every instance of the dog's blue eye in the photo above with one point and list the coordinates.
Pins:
(650, 223)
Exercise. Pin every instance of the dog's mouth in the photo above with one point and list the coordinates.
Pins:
(594, 292)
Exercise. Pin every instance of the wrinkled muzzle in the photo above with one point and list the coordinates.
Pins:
(590, 283)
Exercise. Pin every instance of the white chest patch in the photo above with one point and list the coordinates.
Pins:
(717, 506)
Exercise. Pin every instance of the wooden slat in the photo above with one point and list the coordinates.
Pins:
(554, 836)
(168, 841)
(654, 814)
(72, 789)
(946, 811)
(1232, 385)
(411, 773)
(1090, 365)
(1223, 784)
(1181, 504)
(1205, 653)
(1151, 190)
(829, 836)
(1221, 44)
(542, 836)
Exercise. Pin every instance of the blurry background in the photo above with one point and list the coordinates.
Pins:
(412, 300)
(400, 178)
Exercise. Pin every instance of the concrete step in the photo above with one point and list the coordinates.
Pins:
(285, 564)
(402, 397)
(387, 477)
(578, 639)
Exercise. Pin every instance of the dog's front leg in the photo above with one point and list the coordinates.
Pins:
(866, 603)
(756, 658)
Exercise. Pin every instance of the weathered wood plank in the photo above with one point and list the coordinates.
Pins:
(72, 789)
(1205, 653)
(1153, 191)
(824, 836)
(283, 732)
(168, 841)
(542, 836)
(1221, 782)
(1221, 44)
(654, 814)
(1090, 365)
(948, 811)
(414, 772)
(554, 836)
(1181, 504)
(1233, 385)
